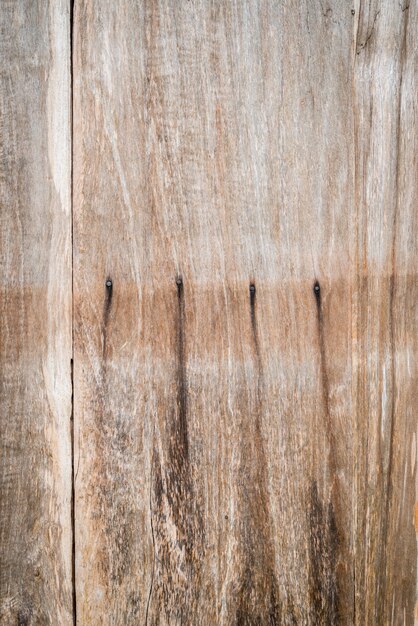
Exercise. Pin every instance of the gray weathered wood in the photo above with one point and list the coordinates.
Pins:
(384, 311)
(245, 288)
(246, 436)
(35, 313)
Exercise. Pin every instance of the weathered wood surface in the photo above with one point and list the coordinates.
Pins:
(245, 288)
(385, 312)
(245, 386)
(35, 313)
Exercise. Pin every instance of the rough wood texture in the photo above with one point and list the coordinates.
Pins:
(35, 310)
(385, 312)
(245, 288)
(245, 180)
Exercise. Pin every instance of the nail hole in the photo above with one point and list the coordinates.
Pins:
(252, 288)
(317, 288)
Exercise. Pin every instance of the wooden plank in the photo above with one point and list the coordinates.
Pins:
(244, 281)
(385, 315)
(35, 309)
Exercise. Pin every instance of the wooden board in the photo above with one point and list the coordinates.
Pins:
(245, 240)
(385, 313)
(35, 310)
(245, 288)
(245, 311)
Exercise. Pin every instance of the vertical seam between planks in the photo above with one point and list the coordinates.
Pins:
(357, 288)
(73, 563)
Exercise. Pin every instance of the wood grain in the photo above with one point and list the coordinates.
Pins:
(385, 320)
(35, 309)
(245, 192)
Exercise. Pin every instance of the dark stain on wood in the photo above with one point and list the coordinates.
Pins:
(108, 299)
(106, 312)
(22, 619)
(174, 498)
(324, 380)
(275, 606)
(323, 519)
(258, 598)
(182, 429)
(252, 305)
(24, 616)
(321, 340)
(259, 601)
(323, 558)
